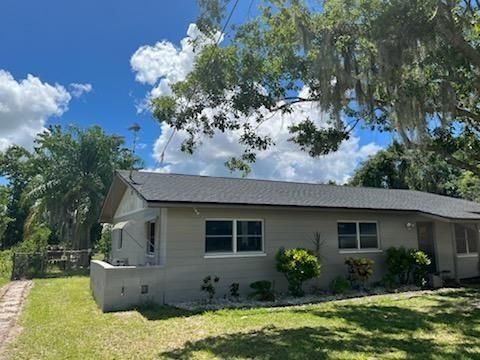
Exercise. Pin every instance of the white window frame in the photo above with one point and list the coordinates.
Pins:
(358, 249)
(151, 253)
(467, 253)
(234, 253)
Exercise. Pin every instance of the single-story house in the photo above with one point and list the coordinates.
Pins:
(170, 231)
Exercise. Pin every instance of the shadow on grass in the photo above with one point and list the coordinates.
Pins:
(154, 312)
(360, 330)
(315, 343)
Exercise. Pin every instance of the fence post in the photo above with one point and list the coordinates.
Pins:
(12, 275)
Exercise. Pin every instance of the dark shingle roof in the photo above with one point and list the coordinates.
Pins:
(158, 187)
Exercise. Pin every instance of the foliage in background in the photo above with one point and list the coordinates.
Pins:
(359, 270)
(398, 167)
(16, 166)
(406, 265)
(408, 67)
(298, 266)
(4, 218)
(340, 285)
(35, 241)
(104, 245)
(62, 183)
(262, 291)
(5, 266)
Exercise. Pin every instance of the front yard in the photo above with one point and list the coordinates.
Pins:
(61, 321)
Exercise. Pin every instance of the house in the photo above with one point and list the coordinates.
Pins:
(170, 231)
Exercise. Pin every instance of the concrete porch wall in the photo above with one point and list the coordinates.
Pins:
(119, 287)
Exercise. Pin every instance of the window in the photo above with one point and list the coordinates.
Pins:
(117, 236)
(144, 289)
(356, 235)
(233, 236)
(466, 238)
(151, 237)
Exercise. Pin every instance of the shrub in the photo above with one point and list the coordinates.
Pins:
(234, 290)
(407, 265)
(104, 245)
(420, 267)
(209, 287)
(298, 265)
(262, 290)
(5, 265)
(340, 285)
(359, 270)
(35, 241)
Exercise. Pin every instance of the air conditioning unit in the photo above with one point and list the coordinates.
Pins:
(120, 262)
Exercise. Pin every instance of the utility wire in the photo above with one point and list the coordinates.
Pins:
(222, 32)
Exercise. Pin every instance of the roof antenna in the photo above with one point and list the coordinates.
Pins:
(135, 128)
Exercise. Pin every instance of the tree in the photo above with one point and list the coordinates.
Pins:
(4, 218)
(16, 166)
(74, 171)
(61, 185)
(398, 167)
(410, 67)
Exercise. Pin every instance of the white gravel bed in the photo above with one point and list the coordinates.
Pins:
(286, 300)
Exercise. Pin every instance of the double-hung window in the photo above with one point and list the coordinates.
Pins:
(233, 236)
(357, 235)
(466, 238)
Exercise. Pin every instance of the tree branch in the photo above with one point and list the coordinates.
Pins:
(451, 34)
(468, 114)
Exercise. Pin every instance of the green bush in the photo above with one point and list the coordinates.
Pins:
(262, 290)
(340, 285)
(407, 265)
(209, 287)
(359, 270)
(35, 241)
(298, 265)
(104, 245)
(5, 266)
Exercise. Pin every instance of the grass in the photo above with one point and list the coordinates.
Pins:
(61, 321)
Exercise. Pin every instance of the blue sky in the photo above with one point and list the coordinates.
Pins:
(64, 42)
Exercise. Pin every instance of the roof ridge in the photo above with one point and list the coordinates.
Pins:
(275, 181)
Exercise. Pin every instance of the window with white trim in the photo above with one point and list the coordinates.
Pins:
(466, 238)
(233, 236)
(151, 237)
(357, 235)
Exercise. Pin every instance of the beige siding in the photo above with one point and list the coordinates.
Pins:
(187, 265)
(130, 202)
(132, 209)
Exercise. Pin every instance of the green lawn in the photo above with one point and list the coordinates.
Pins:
(61, 321)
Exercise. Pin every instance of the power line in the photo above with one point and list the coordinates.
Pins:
(217, 42)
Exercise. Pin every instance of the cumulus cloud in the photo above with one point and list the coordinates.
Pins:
(163, 64)
(78, 90)
(284, 161)
(25, 106)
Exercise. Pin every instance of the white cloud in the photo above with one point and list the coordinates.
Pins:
(25, 106)
(284, 161)
(163, 64)
(78, 90)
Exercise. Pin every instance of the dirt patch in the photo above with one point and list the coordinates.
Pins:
(12, 297)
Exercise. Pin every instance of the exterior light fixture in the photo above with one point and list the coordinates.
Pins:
(410, 226)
